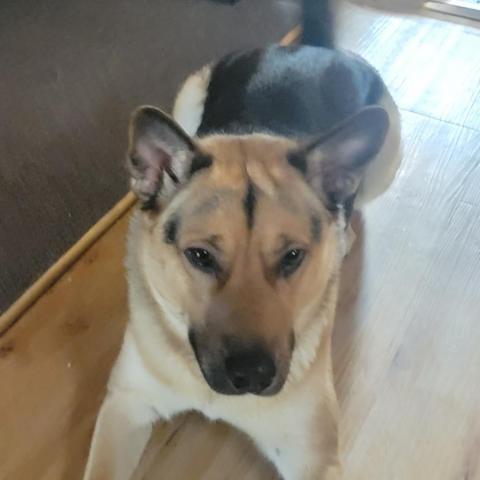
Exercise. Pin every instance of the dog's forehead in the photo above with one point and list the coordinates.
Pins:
(237, 160)
(244, 172)
(248, 186)
(252, 206)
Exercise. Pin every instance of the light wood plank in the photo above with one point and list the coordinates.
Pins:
(406, 342)
(432, 67)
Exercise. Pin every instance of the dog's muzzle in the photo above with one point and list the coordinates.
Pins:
(231, 367)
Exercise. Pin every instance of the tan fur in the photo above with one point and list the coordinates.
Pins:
(157, 371)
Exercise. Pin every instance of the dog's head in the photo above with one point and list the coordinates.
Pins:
(241, 237)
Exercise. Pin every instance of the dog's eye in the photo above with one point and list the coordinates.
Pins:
(291, 261)
(202, 260)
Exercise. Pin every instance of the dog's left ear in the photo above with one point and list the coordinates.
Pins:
(159, 155)
(334, 163)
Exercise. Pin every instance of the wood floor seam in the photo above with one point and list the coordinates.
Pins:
(437, 119)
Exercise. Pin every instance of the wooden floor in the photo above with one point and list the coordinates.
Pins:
(407, 339)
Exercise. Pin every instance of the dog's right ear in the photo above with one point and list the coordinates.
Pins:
(159, 155)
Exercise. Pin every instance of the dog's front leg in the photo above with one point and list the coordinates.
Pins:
(309, 457)
(301, 440)
(302, 461)
(123, 428)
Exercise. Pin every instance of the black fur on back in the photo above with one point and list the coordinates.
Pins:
(293, 91)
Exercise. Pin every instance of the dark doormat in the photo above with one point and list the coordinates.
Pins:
(72, 71)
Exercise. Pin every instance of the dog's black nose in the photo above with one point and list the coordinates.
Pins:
(251, 370)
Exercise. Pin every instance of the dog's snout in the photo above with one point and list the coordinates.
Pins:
(235, 366)
(250, 370)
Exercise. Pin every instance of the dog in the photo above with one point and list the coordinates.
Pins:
(234, 253)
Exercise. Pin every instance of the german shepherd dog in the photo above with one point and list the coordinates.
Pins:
(234, 253)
